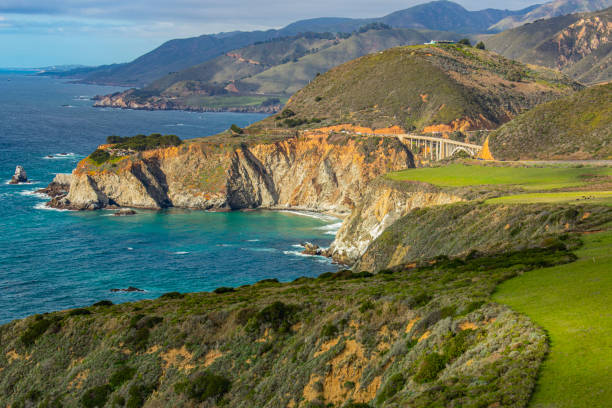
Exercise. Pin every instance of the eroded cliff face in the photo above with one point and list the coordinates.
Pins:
(316, 172)
(384, 202)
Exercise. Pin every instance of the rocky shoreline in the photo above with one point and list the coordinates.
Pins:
(120, 101)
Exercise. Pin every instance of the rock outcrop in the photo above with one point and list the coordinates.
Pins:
(20, 176)
(59, 186)
(317, 172)
(384, 203)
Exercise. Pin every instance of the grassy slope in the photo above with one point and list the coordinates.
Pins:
(578, 126)
(529, 178)
(422, 85)
(572, 303)
(337, 337)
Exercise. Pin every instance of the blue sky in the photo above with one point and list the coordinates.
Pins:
(35, 33)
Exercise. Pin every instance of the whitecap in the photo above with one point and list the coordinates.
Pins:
(260, 249)
(34, 193)
(297, 246)
(180, 253)
(310, 214)
(130, 248)
(61, 156)
(295, 253)
(253, 240)
(42, 206)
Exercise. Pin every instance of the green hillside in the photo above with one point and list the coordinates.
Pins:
(576, 44)
(576, 127)
(448, 86)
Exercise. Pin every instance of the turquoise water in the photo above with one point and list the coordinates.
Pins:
(52, 260)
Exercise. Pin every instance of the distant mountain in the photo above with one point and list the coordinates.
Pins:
(578, 44)
(271, 70)
(177, 55)
(576, 127)
(441, 88)
(549, 10)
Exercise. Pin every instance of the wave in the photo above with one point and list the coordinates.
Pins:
(253, 240)
(311, 214)
(42, 206)
(130, 248)
(180, 253)
(27, 183)
(260, 249)
(82, 98)
(61, 156)
(34, 193)
(296, 253)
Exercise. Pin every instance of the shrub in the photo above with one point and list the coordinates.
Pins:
(273, 280)
(329, 330)
(204, 386)
(172, 295)
(99, 156)
(142, 142)
(430, 367)
(236, 129)
(103, 303)
(465, 41)
(138, 394)
(278, 316)
(96, 396)
(457, 345)
(36, 329)
(514, 75)
(365, 306)
(480, 45)
(394, 384)
(223, 289)
(318, 99)
(286, 113)
(473, 306)
(79, 312)
(420, 299)
(121, 376)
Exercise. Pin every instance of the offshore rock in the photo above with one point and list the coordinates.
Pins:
(124, 212)
(20, 176)
(58, 187)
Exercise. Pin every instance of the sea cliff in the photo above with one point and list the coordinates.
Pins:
(323, 173)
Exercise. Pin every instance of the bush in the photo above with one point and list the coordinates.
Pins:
(204, 386)
(79, 312)
(138, 394)
(329, 330)
(278, 316)
(480, 45)
(465, 41)
(286, 113)
(121, 376)
(457, 345)
(430, 367)
(99, 156)
(318, 99)
(172, 295)
(394, 384)
(420, 299)
(365, 306)
(273, 280)
(223, 289)
(142, 142)
(103, 303)
(236, 129)
(96, 396)
(514, 75)
(36, 329)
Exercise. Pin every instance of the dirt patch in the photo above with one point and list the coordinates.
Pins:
(78, 381)
(153, 349)
(179, 358)
(425, 336)
(211, 357)
(325, 347)
(468, 326)
(411, 324)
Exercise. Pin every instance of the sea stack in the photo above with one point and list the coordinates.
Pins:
(20, 176)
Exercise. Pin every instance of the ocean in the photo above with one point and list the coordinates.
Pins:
(52, 260)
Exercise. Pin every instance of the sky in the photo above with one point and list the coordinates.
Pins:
(39, 33)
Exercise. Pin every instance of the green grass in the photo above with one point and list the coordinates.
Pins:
(529, 178)
(573, 304)
(226, 101)
(570, 197)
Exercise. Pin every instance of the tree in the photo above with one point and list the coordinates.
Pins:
(480, 45)
(236, 129)
(465, 41)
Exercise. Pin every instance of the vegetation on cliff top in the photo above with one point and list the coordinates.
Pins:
(576, 127)
(420, 86)
(418, 336)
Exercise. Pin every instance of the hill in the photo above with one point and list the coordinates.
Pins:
(179, 54)
(549, 10)
(424, 88)
(576, 127)
(578, 45)
(266, 71)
